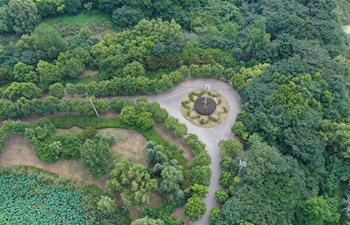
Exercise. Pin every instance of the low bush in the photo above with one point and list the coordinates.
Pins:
(211, 118)
(190, 96)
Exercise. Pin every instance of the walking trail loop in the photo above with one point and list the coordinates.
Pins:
(171, 101)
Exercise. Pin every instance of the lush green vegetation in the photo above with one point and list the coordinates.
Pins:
(35, 196)
(289, 60)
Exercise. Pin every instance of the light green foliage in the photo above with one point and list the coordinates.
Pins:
(24, 73)
(73, 64)
(246, 75)
(106, 205)
(56, 90)
(230, 147)
(144, 120)
(147, 221)
(221, 196)
(194, 70)
(181, 129)
(48, 74)
(128, 115)
(202, 159)
(17, 90)
(165, 83)
(337, 136)
(239, 129)
(214, 213)
(70, 89)
(316, 211)
(133, 182)
(201, 175)
(96, 157)
(171, 123)
(134, 69)
(19, 16)
(194, 209)
(199, 191)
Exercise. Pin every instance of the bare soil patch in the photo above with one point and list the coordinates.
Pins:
(72, 130)
(18, 151)
(179, 142)
(129, 144)
(179, 214)
(206, 121)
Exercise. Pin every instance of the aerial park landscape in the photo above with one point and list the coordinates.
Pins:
(205, 112)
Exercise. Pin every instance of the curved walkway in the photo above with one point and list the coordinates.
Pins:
(171, 101)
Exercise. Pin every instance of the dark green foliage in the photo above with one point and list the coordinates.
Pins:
(161, 212)
(276, 179)
(96, 157)
(88, 133)
(133, 182)
(18, 16)
(126, 16)
(201, 175)
(116, 104)
(70, 145)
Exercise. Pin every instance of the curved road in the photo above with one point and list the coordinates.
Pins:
(171, 101)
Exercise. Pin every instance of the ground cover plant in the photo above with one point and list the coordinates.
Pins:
(38, 196)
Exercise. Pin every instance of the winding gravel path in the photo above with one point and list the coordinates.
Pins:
(171, 101)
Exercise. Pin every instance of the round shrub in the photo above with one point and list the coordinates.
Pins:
(202, 109)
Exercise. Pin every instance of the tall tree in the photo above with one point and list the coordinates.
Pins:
(133, 182)
(96, 157)
(19, 16)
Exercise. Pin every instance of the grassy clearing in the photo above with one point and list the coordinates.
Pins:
(83, 80)
(129, 144)
(215, 119)
(81, 18)
(158, 73)
(99, 123)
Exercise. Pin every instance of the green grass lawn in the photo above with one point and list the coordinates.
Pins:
(81, 18)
